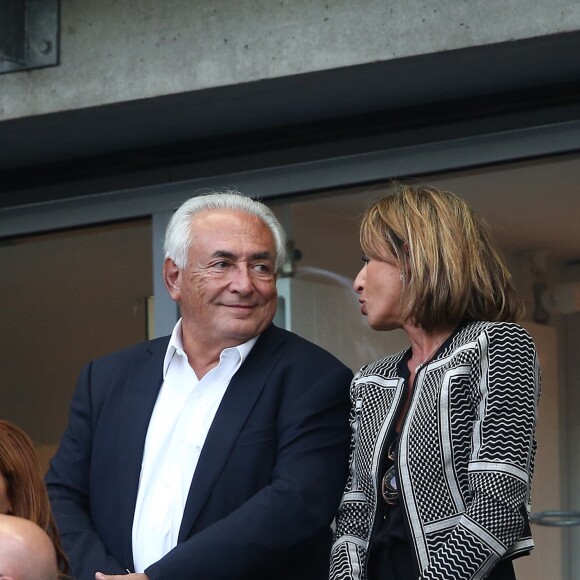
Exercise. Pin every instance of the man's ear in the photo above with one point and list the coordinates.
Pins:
(172, 279)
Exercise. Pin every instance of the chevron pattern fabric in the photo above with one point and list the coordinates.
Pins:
(466, 454)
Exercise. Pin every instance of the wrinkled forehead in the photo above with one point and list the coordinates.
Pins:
(227, 219)
(227, 230)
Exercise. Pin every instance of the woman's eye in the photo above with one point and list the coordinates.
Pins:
(366, 259)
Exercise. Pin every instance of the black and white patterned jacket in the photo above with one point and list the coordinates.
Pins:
(466, 454)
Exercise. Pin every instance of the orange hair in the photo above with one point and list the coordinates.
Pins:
(25, 485)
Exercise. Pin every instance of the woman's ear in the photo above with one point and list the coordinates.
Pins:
(172, 279)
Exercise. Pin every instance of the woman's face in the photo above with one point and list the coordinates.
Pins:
(5, 506)
(379, 286)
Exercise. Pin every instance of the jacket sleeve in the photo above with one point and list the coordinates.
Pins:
(68, 487)
(505, 391)
(278, 522)
(348, 553)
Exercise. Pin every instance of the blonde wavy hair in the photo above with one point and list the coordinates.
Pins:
(451, 271)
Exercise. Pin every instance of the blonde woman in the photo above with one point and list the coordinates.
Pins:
(442, 433)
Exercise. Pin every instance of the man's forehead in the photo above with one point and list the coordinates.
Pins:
(231, 216)
(222, 230)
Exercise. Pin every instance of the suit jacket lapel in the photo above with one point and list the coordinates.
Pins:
(137, 399)
(238, 402)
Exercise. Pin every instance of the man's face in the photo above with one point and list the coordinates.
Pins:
(227, 292)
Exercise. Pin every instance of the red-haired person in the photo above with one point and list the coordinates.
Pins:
(22, 490)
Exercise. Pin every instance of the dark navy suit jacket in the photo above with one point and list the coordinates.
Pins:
(267, 484)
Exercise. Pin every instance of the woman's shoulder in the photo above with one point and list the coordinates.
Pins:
(496, 332)
(480, 326)
(385, 367)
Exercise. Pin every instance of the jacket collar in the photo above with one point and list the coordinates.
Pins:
(137, 400)
(241, 395)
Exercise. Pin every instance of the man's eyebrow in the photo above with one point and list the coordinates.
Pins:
(232, 256)
(263, 256)
(223, 254)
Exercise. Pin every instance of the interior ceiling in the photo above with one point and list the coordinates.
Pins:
(158, 140)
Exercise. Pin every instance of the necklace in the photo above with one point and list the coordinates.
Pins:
(389, 482)
(421, 363)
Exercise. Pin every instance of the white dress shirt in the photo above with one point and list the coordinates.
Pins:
(181, 418)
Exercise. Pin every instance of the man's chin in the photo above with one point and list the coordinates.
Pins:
(244, 330)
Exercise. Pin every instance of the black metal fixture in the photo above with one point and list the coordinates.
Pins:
(29, 34)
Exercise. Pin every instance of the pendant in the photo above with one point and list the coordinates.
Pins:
(389, 486)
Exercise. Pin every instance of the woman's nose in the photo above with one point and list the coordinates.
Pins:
(358, 283)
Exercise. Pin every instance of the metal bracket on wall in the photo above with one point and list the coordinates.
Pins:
(29, 34)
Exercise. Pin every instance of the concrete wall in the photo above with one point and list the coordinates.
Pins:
(121, 50)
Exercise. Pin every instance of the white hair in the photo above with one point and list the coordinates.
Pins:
(179, 233)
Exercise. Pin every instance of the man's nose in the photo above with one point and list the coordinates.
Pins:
(242, 279)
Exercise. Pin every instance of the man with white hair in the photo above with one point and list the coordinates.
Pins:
(219, 452)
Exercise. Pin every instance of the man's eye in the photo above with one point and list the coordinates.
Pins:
(263, 268)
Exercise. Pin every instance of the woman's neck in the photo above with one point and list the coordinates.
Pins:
(425, 344)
